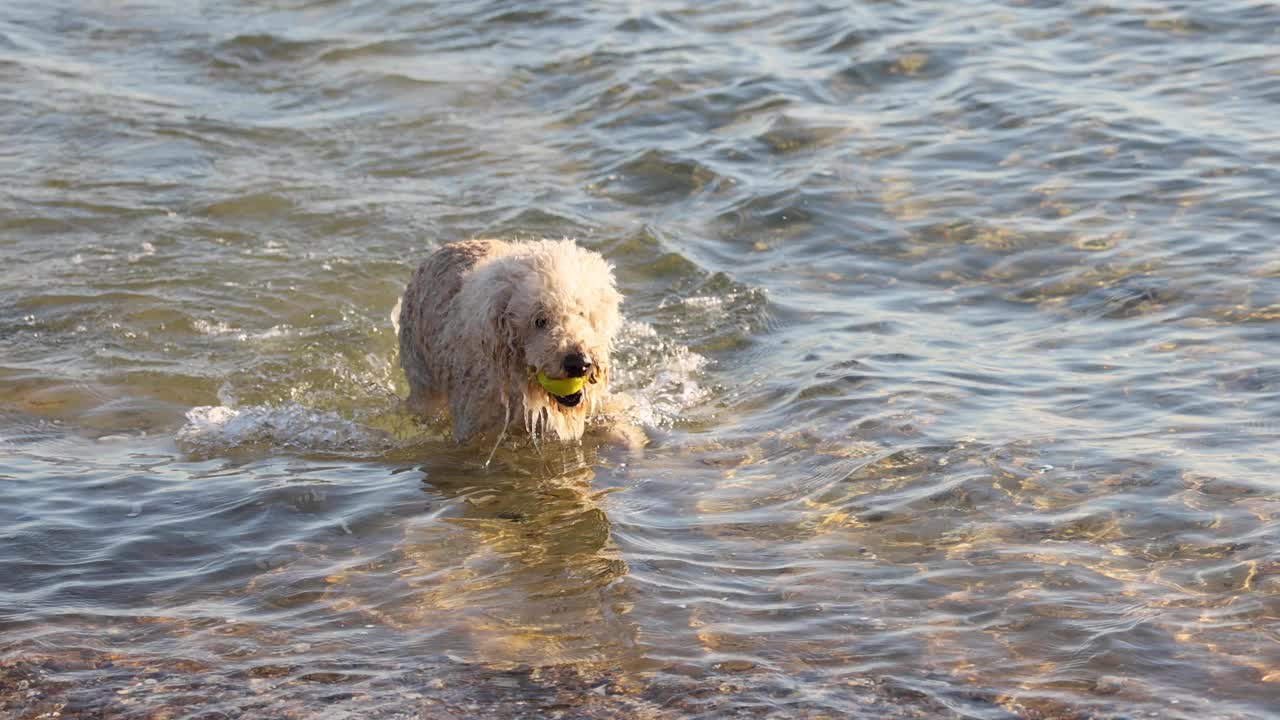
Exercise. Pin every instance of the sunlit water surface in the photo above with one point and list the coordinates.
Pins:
(955, 328)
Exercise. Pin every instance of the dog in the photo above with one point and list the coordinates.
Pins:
(480, 319)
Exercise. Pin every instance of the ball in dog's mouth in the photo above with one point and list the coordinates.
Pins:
(569, 400)
(566, 391)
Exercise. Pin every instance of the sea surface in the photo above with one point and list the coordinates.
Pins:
(954, 327)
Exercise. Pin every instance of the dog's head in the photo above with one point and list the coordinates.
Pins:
(555, 312)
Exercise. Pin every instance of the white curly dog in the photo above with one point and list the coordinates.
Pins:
(480, 318)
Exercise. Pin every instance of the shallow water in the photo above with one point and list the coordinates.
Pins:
(953, 325)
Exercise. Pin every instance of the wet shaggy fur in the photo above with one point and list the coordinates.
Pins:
(479, 318)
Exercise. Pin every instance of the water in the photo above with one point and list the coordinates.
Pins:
(953, 325)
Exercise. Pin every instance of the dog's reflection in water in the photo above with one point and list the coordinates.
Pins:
(515, 567)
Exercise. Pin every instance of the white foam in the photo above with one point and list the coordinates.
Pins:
(708, 303)
(292, 426)
(221, 328)
(661, 376)
(208, 328)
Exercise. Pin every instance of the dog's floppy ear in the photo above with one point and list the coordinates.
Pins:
(500, 338)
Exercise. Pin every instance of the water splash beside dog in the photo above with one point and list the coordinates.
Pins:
(662, 378)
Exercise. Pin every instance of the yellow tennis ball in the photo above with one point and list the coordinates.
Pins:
(562, 388)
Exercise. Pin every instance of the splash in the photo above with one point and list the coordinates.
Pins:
(291, 426)
(212, 328)
(662, 376)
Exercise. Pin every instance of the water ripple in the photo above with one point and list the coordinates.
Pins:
(952, 329)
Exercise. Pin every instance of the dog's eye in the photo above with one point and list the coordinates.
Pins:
(540, 323)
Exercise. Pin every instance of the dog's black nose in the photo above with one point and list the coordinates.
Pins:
(576, 364)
